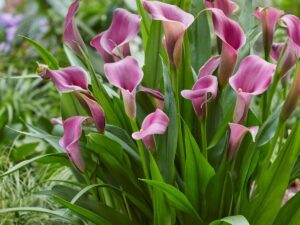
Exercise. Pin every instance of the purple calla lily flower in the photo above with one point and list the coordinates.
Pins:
(252, 78)
(113, 44)
(232, 37)
(276, 50)
(155, 123)
(237, 133)
(293, 30)
(204, 90)
(69, 141)
(227, 6)
(175, 22)
(210, 66)
(68, 79)
(71, 36)
(269, 18)
(126, 75)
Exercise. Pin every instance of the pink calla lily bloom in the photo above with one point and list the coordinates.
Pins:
(175, 22)
(293, 31)
(205, 89)
(126, 75)
(210, 66)
(233, 38)
(269, 18)
(155, 123)
(227, 6)
(71, 36)
(75, 79)
(113, 44)
(68, 79)
(276, 50)
(252, 78)
(237, 134)
(69, 141)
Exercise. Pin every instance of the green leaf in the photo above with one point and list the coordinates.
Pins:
(42, 210)
(167, 143)
(198, 172)
(48, 58)
(49, 158)
(73, 59)
(176, 198)
(153, 67)
(24, 150)
(232, 220)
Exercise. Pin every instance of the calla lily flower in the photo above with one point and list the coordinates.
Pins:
(276, 50)
(125, 75)
(269, 18)
(204, 90)
(237, 134)
(232, 37)
(113, 44)
(155, 123)
(175, 22)
(68, 79)
(210, 66)
(293, 98)
(69, 142)
(252, 78)
(293, 30)
(71, 36)
(227, 6)
(75, 79)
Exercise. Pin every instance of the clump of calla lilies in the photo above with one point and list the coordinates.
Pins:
(173, 142)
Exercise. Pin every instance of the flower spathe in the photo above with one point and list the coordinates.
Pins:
(69, 142)
(155, 123)
(71, 35)
(233, 38)
(210, 66)
(252, 78)
(126, 75)
(113, 44)
(293, 31)
(269, 17)
(237, 133)
(204, 90)
(227, 6)
(175, 22)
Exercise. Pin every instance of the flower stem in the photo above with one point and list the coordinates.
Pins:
(203, 136)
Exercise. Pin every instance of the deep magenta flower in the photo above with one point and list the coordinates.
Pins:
(252, 78)
(126, 75)
(237, 133)
(269, 18)
(69, 142)
(155, 123)
(67, 79)
(293, 30)
(113, 44)
(75, 79)
(204, 90)
(175, 22)
(71, 36)
(227, 6)
(210, 66)
(232, 37)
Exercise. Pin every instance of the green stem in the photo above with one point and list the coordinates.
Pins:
(141, 151)
(270, 95)
(203, 136)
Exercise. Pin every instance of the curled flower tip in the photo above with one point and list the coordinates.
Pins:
(175, 22)
(155, 123)
(227, 6)
(210, 66)
(233, 38)
(269, 18)
(204, 90)
(293, 98)
(41, 70)
(113, 44)
(252, 78)
(71, 35)
(237, 134)
(67, 79)
(125, 75)
(69, 142)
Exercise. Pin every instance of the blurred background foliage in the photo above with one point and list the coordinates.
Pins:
(27, 100)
